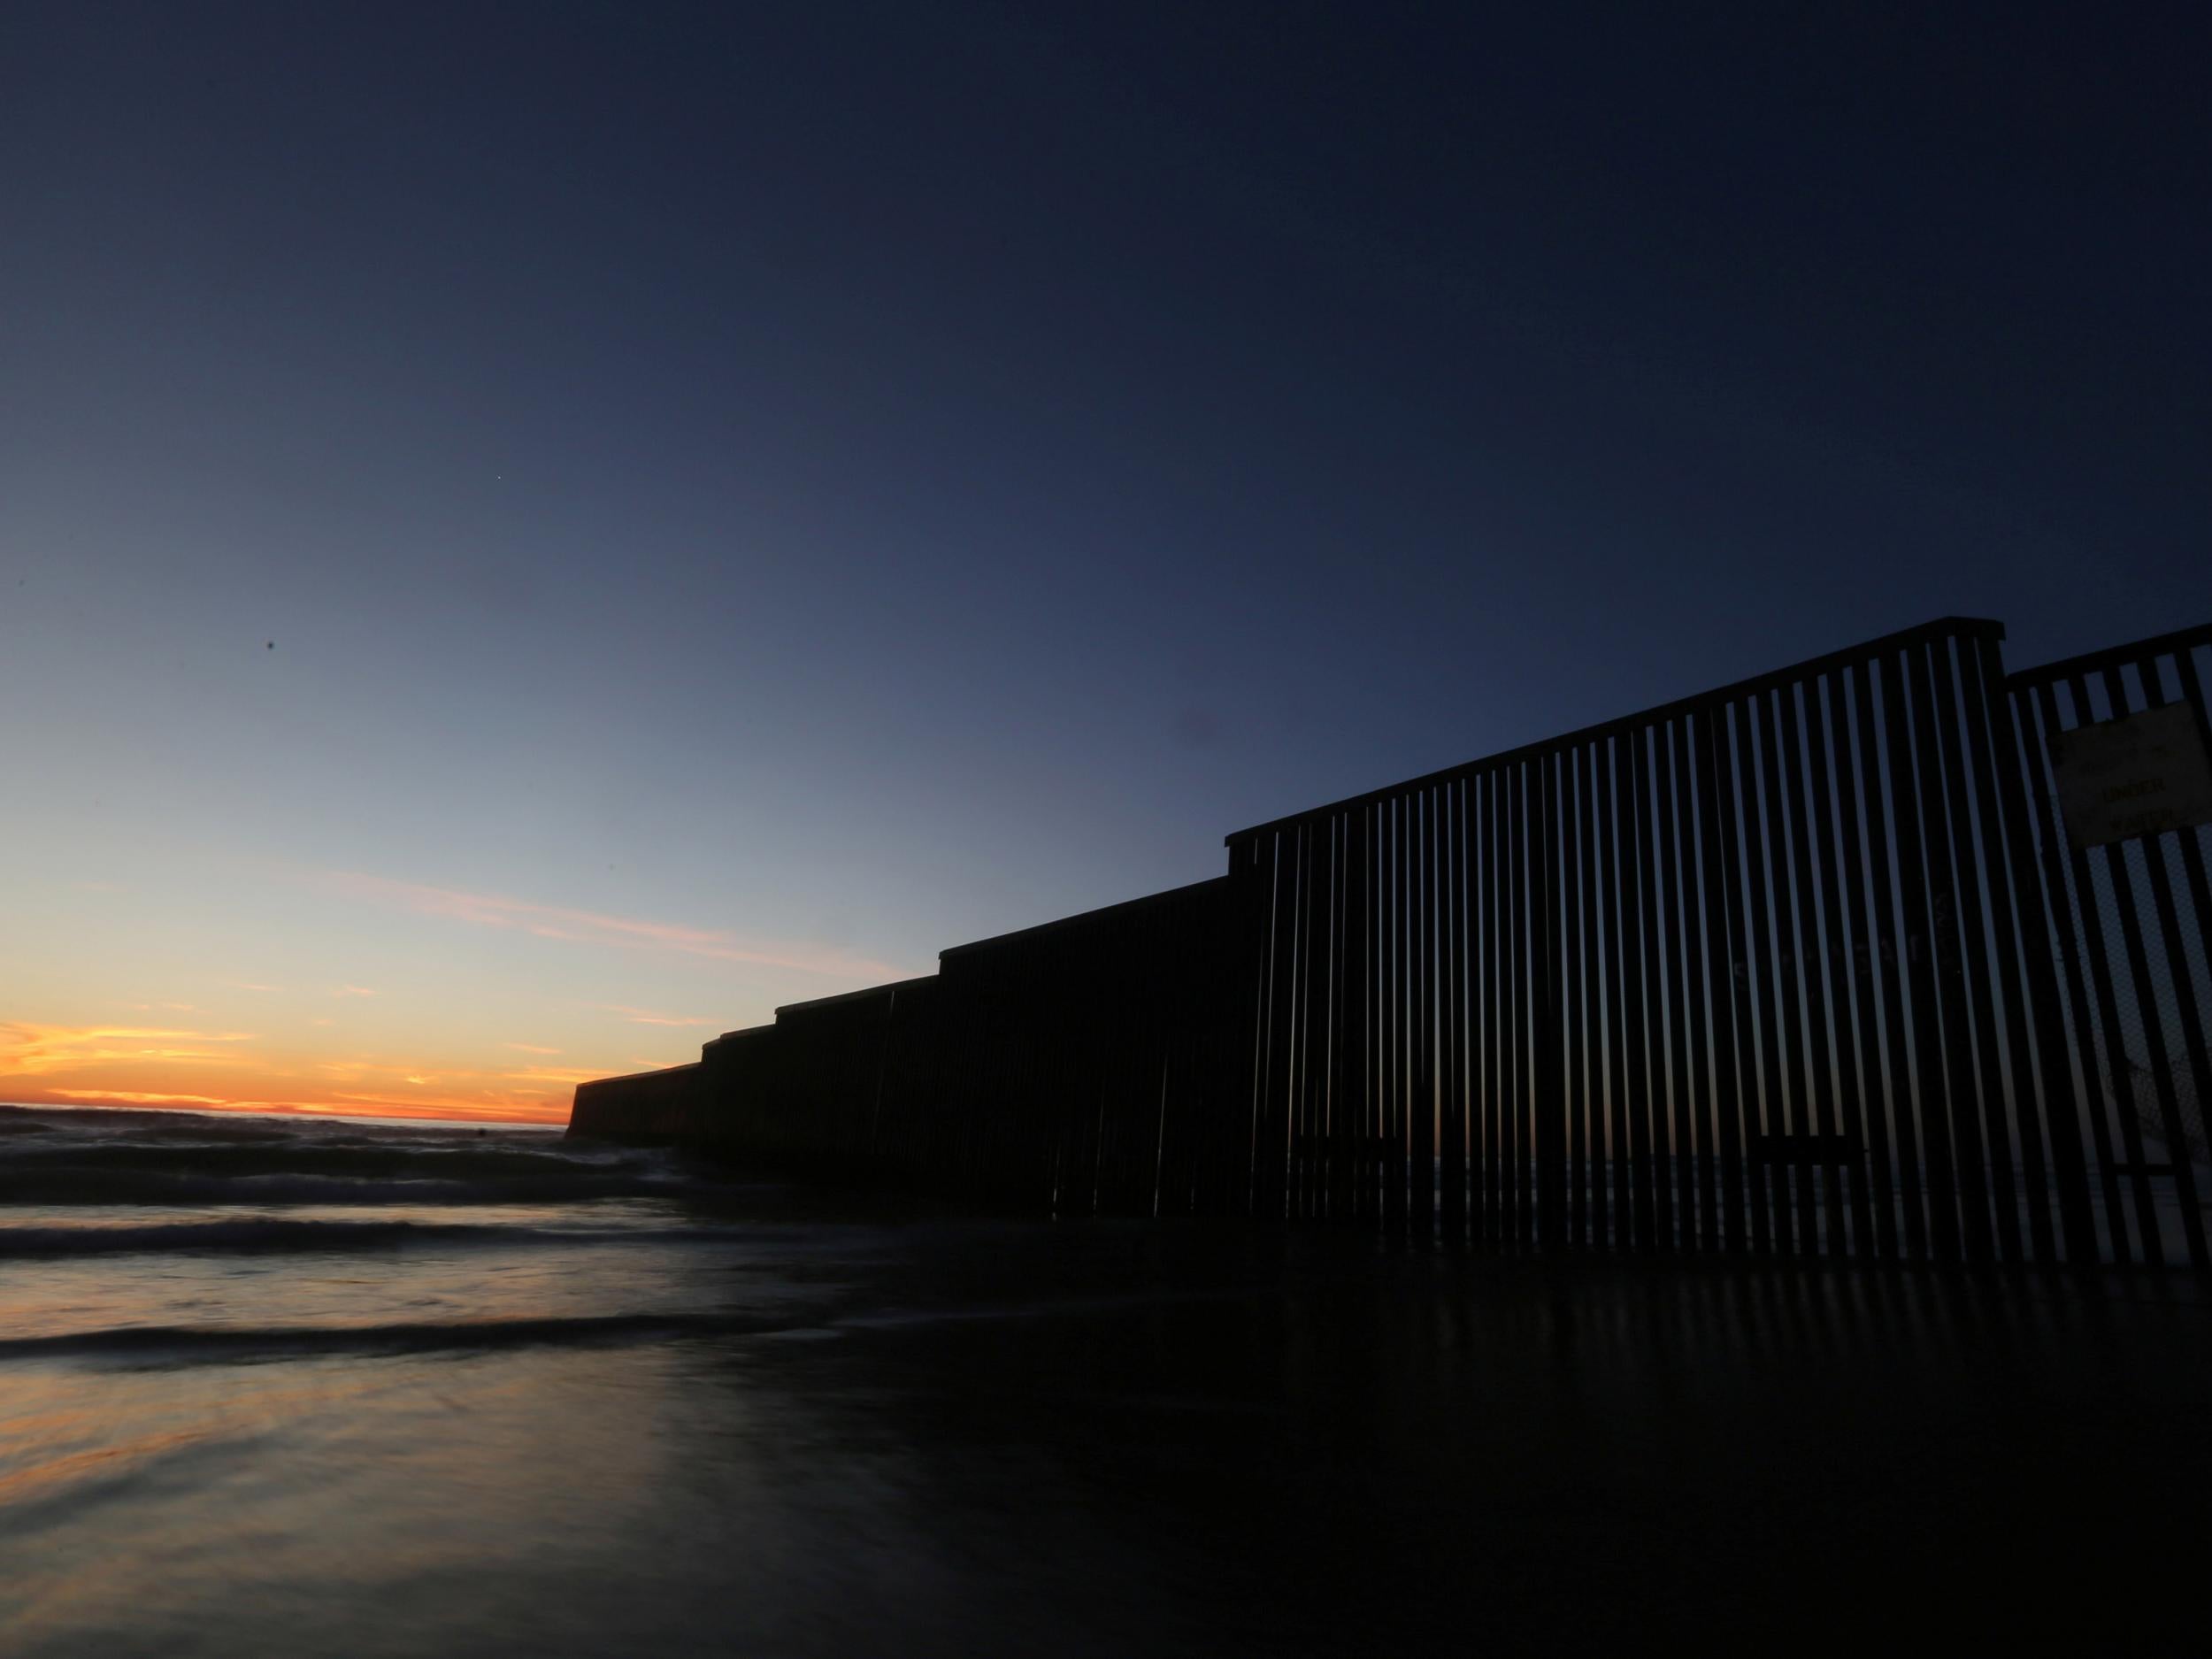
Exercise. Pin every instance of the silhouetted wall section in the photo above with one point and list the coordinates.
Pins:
(1093, 1057)
(646, 1106)
(1806, 964)
(1081, 1066)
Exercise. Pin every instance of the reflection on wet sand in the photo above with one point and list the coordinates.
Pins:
(749, 1421)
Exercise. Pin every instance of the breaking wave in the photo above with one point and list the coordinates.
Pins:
(374, 1159)
(152, 1239)
(141, 1158)
(69, 1184)
(253, 1234)
(215, 1343)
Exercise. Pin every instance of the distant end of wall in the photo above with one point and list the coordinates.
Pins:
(665, 1105)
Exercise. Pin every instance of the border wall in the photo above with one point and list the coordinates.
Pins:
(1814, 963)
(1081, 1067)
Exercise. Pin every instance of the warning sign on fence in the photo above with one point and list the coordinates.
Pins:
(2138, 775)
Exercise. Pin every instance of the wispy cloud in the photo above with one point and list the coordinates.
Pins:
(248, 985)
(511, 1107)
(99, 887)
(371, 1071)
(532, 1047)
(351, 990)
(552, 1074)
(552, 921)
(487, 1103)
(138, 1098)
(30, 1050)
(647, 1016)
(389, 1091)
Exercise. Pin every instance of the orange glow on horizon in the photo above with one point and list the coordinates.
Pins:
(443, 1109)
(186, 1070)
(316, 1005)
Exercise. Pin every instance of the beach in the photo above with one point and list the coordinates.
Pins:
(274, 1386)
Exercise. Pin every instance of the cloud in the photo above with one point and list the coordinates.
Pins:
(353, 990)
(248, 985)
(34, 1048)
(549, 921)
(389, 1091)
(135, 1098)
(506, 1106)
(647, 1016)
(355, 1070)
(532, 1047)
(99, 887)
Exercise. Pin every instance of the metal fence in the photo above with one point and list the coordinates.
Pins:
(2128, 920)
(1807, 964)
(1774, 968)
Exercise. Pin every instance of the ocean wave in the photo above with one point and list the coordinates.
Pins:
(253, 1234)
(158, 1344)
(67, 1184)
(293, 1156)
(142, 1121)
(249, 1234)
(112, 1125)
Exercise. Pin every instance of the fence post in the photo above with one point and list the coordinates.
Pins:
(1550, 1057)
(2061, 1105)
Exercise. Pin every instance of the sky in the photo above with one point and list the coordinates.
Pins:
(532, 534)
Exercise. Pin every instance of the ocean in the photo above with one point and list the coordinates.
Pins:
(289, 1386)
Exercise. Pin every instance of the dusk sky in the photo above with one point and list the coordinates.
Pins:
(530, 535)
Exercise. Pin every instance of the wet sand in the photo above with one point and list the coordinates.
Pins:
(682, 1414)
